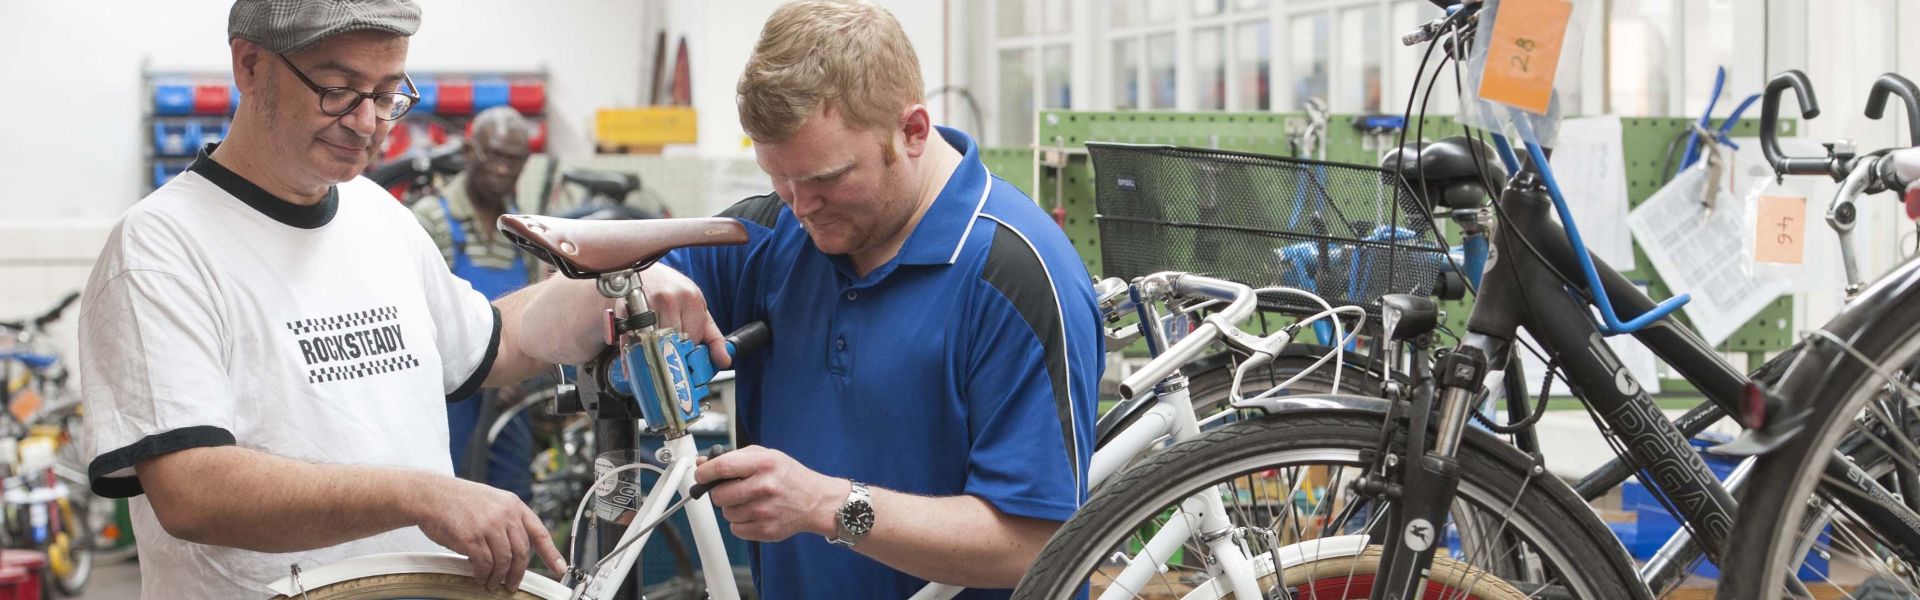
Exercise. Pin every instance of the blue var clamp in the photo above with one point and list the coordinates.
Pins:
(685, 368)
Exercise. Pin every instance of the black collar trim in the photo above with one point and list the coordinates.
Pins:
(288, 213)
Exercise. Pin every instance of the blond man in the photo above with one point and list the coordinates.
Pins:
(925, 410)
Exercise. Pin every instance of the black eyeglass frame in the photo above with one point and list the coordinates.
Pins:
(413, 99)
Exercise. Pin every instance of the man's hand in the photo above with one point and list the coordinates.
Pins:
(680, 305)
(490, 526)
(774, 496)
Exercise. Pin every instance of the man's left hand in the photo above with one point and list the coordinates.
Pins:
(772, 496)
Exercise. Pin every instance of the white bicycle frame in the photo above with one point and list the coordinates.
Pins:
(1170, 420)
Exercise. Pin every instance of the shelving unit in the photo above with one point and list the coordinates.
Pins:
(184, 110)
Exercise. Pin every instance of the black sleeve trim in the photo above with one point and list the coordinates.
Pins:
(479, 376)
(99, 474)
(763, 210)
(1014, 268)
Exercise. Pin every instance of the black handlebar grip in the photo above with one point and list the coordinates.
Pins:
(750, 338)
(701, 489)
(1894, 84)
(1770, 122)
(566, 400)
(65, 303)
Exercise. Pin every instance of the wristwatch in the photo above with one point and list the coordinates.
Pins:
(855, 517)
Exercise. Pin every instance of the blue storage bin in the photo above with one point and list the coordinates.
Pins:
(173, 99)
(1653, 525)
(429, 95)
(233, 104)
(490, 92)
(163, 172)
(211, 132)
(173, 138)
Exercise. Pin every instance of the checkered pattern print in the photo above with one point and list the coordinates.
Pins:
(356, 371)
(346, 321)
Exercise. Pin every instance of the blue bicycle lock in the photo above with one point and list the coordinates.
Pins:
(1610, 323)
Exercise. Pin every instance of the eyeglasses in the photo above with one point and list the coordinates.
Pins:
(338, 101)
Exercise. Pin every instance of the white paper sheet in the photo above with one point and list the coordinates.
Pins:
(1704, 255)
(1589, 165)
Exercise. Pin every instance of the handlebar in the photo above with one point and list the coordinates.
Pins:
(50, 316)
(1241, 305)
(1894, 84)
(1770, 120)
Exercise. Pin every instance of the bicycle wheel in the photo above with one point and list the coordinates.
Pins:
(70, 554)
(1855, 411)
(423, 586)
(1284, 479)
(1350, 577)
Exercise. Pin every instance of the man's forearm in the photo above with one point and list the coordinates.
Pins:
(957, 540)
(287, 505)
(552, 323)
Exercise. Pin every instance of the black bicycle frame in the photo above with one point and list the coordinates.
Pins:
(1518, 290)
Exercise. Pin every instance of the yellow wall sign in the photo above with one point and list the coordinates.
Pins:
(646, 126)
(1524, 53)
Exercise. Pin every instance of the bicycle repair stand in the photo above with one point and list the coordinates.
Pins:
(670, 373)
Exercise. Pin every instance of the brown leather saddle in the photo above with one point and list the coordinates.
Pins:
(584, 249)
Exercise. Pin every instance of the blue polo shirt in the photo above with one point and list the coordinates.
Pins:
(968, 364)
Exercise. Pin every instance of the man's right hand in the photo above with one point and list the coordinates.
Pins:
(680, 305)
(491, 527)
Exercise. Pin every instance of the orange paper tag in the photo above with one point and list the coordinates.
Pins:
(1780, 229)
(1524, 53)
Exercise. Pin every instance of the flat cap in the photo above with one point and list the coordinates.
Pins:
(288, 26)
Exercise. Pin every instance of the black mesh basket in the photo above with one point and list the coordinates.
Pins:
(1327, 228)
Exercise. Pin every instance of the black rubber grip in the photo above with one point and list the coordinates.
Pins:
(714, 451)
(54, 315)
(750, 338)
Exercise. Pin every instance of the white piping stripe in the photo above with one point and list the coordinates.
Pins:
(1073, 424)
(986, 185)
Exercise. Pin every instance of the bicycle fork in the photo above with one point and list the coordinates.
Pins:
(1203, 515)
(1417, 517)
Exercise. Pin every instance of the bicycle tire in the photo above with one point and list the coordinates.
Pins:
(1489, 470)
(1840, 386)
(396, 586)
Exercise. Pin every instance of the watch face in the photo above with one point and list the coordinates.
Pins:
(857, 518)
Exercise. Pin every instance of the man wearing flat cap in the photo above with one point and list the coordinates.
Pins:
(269, 339)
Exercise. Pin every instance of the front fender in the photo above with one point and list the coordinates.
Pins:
(1318, 403)
(1887, 306)
(404, 562)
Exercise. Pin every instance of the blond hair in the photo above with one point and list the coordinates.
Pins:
(848, 56)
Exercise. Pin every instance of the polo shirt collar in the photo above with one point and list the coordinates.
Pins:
(937, 239)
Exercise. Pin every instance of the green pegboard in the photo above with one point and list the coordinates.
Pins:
(1012, 164)
(1057, 171)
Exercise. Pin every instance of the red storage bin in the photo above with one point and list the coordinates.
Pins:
(456, 97)
(20, 574)
(529, 96)
(538, 142)
(212, 99)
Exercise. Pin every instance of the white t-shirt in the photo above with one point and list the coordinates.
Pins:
(220, 315)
